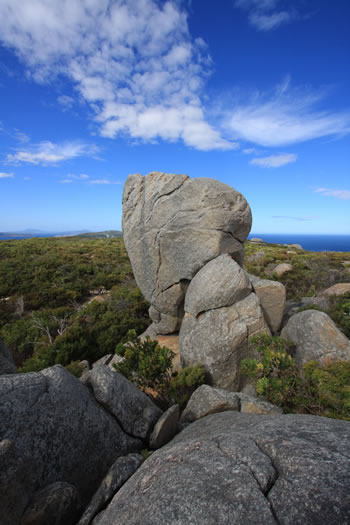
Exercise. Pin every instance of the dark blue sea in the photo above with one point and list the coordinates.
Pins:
(314, 243)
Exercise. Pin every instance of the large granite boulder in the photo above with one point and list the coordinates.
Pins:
(54, 421)
(7, 364)
(316, 338)
(207, 400)
(173, 226)
(272, 297)
(133, 409)
(218, 339)
(243, 469)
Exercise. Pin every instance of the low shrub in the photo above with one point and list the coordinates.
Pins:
(339, 311)
(145, 363)
(322, 390)
(185, 382)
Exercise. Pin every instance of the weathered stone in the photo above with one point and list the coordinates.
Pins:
(282, 268)
(256, 239)
(272, 297)
(7, 364)
(117, 475)
(173, 226)
(296, 246)
(134, 410)
(16, 482)
(256, 257)
(165, 428)
(53, 419)
(337, 289)
(108, 360)
(243, 469)
(292, 307)
(219, 339)
(56, 504)
(316, 337)
(207, 400)
(221, 282)
(254, 405)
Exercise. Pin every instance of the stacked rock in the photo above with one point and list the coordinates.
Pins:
(185, 239)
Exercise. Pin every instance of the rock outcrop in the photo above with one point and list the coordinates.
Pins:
(208, 400)
(134, 411)
(173, 226)
(218, 339)
(272, 297)
(243, 469)
(54, 430)
(316, 337)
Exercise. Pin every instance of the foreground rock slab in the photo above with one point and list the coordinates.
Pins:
(233, 468)
(53, 420)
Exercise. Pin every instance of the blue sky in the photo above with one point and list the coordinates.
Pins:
(254, 93)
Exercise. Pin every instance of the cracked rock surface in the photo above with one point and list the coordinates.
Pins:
(173, 226)
(234, 468)
(54, 420)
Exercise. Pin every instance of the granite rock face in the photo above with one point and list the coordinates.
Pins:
(173, 226)
(133, 409)
(316, 337)
(272, 297)
(218, 339)
(207, 400)
(54, 421)
(243, 469)
(7, 364)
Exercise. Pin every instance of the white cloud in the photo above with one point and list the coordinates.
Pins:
(135, 63)
(274, 161)
(262, 14)
(284, 116)
(65, 101)
(82, 176)
(7, 176)
(103, 181)
(65, 181)
(21, 137)
(338, 194)
(49, 153)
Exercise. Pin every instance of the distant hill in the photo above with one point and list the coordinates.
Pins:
(108, 234)
(29, 234)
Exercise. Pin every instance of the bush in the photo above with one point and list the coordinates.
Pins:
(339, 311)
(145, 363)
(322, 390)
(185, 382)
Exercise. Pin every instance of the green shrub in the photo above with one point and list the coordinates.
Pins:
(322, 390)
(185, 382)
(75, 368)
(145, 363)
(309, 307)
(339, 311)
(276, 373)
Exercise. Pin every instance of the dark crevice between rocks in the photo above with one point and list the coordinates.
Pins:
(273, 481)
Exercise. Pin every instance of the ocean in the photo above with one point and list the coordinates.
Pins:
(314, 243)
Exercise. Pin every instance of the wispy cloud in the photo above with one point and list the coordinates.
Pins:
(135, 63)
(65, 181)
(21, 136)
(338, 194)
(293, 218)
(264, 15)
(47, 153)
(7, 176)
(274, 161)
(284, 116)
(65, 101)
(103, 181)
(82, 176)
